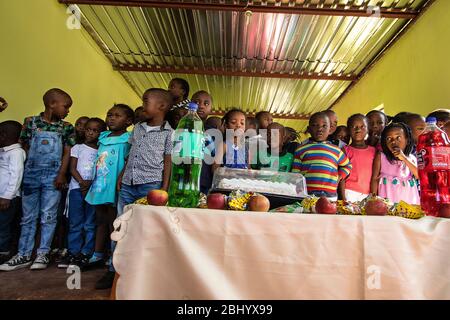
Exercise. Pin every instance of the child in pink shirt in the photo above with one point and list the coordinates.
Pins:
(357, 185)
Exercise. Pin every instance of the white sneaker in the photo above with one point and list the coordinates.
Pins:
(41, 262)
(15, 263)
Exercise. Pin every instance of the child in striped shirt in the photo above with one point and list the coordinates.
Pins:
(322, 163)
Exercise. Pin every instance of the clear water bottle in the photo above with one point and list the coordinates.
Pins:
(187, 156)
(433, 157)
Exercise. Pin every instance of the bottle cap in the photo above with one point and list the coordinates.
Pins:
(192, 106)
(431, 120)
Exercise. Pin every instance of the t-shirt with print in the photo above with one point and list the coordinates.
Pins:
(67, 129)
(86, 163)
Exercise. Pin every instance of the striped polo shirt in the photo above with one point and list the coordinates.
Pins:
(322, 163)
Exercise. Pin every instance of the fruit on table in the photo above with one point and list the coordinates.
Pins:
(216, 201)
(258, 203)
(376, 206)
(325, 206)
(157, 197)
(444, 211)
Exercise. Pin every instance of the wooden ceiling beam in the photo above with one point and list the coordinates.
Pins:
(339, 10)
(212, 72)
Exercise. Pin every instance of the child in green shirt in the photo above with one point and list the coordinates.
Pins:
(277, 157)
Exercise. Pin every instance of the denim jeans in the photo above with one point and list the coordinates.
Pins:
(6, 224)
(129, 194)
(319, 194)
(40, 196)
(81, 224)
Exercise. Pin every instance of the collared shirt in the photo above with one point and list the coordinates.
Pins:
(149, 145)
(12, 160)
(65, 128)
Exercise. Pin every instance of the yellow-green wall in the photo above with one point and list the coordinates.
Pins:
(414, 74)
(38, 52)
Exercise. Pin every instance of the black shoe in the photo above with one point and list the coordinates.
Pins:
(106, 282)
(81, 261)
(65, 261)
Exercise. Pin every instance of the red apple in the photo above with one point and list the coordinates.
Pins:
(325, 206)
(157, 197)
(258, 203)
(376, 207)
(444, 211)
(216, 201)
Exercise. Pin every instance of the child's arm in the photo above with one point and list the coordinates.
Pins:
(376, 168)
(84, 184)
(344, 166)
(341, 190)
(120, 177)
(61, 180)
(166, 172)
(25, 135)
(398, 153)
(221, 150)
(16, 165)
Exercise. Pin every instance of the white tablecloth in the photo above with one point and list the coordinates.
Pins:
(168, 253)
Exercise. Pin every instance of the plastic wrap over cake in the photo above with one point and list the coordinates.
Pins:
(260, 181)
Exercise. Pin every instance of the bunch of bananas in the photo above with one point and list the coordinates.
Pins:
(142, 201)
(238, 200)
(309, 204)
(406, 210)
(348, 208)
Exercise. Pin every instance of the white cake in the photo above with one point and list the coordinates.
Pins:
(277, 188)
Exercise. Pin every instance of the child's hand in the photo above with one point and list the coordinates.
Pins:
(85, 185)
(4, 204)
(398, 153)
(60, 182)
(119, 183)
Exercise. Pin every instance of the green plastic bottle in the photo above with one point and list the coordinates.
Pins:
(187, 156)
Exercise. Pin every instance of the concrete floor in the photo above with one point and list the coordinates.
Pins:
(50, 284)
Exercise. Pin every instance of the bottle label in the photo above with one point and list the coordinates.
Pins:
(434, 158)
(187, 145)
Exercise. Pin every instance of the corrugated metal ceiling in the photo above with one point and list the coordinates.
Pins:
(229, 41)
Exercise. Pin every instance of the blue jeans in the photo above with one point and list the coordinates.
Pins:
(129, 194)
(40, 198)
(81, 224)
(6, 224)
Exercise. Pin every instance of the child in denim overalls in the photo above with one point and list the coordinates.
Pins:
(47, 139)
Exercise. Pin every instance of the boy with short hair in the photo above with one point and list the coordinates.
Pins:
(278, 156)
(47, 139)
(322, 163)
(149, 162)
(12, 158)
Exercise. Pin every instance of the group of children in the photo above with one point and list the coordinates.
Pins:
(107, 167)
